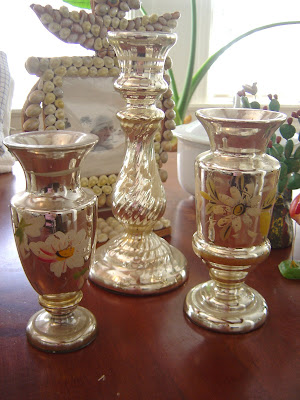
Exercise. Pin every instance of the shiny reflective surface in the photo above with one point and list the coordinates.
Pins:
(235, 188)
(148, 349)
(137, 261)
(54, 223)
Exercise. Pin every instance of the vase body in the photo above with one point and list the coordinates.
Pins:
(281, 232)
(235, 190)
(138, 261)
(54, 223)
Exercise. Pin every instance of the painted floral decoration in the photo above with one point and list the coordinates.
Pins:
(28, 226)
(63, 250)
(234, 212)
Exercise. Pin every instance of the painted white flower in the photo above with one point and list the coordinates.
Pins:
(63, 251)
(28, 226)
(234, 211)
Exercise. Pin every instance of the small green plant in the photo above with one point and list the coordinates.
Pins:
(285, 150)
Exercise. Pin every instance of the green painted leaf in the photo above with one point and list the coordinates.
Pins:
(78, 274)
(294, 182)
(288, 148)
(287, 131)
(79, 3)
(290, 269)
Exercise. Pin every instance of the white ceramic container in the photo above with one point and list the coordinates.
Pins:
(192, 140)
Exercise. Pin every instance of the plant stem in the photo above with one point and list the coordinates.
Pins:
(143, 11)
(173, 86)
(182, 103)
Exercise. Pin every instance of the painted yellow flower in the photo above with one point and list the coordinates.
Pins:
(63, 250)
(234, 211)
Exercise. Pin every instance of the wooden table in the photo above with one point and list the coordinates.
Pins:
(146, 347)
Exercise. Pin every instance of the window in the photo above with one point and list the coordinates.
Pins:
(269, 58)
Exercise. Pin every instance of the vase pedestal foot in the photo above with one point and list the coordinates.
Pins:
(248, 311)
(61, 333)
(139, 265)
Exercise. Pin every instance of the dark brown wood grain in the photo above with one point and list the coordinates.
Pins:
(146, 347)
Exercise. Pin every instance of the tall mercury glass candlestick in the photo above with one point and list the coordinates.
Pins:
(138, 261)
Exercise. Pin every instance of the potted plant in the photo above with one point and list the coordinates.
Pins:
(284, 146)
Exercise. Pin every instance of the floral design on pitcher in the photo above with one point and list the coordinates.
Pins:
(28, 226)
(63, 250)
(238, 210)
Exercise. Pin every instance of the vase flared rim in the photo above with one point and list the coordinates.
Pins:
(238, 115)
(65, 140)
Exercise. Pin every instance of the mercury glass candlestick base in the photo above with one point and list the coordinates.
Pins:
(139, 264)
(138, 261)
(62, 326)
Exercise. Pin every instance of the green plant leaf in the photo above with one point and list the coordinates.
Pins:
(173, 86)
(184, 99)
(197, 78)
(290, 269)
(144, 12)
(255, 105)
(294, 181)
(289, 146)
(79, 3)
(279, 148)
(297, 153)
(245, 102)
(282, 184)
(287, 131)
(283, 170)
(293, 165)
(274, 105)
(274, 153)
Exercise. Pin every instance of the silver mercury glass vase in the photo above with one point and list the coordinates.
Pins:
(54, 223)
(235, 191)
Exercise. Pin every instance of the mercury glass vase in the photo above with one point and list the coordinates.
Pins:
(54, 223)
(138, 261)
(235, 190)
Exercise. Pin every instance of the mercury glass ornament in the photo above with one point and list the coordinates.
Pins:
(54, 223)
(235, 189)
(138, 261)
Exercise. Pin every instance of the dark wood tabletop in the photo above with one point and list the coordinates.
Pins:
(146, 348)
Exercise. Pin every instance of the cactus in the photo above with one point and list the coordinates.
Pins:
(285, 152)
